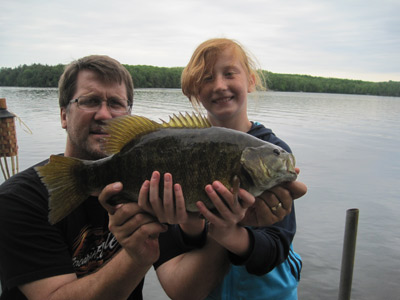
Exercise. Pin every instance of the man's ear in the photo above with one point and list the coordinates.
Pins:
(63, 117)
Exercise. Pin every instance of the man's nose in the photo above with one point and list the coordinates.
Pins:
(104, 112)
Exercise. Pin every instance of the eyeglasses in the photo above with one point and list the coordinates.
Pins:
(92, 104)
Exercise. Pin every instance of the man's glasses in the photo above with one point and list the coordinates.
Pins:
(93, 104)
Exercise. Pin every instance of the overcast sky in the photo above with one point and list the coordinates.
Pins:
(330, 38)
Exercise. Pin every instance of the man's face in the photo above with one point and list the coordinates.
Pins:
(85, 129)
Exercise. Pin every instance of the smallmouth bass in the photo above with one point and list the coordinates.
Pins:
(188, 147)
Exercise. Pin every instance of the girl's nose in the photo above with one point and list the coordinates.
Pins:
(220, 83)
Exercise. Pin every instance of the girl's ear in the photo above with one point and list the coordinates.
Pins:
(252, 83)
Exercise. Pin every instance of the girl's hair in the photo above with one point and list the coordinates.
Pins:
(203, 61)
(107, 69)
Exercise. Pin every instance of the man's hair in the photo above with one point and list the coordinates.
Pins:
(107, 69)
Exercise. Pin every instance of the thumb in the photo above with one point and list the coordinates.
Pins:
(107, 193)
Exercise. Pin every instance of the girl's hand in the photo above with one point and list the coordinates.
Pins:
(171, 208)
(224, 227)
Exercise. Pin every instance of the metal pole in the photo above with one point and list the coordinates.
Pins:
(349, 249)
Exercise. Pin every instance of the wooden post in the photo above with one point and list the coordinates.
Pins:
(349, 249)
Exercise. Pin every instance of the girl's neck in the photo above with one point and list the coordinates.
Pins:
(240, 124)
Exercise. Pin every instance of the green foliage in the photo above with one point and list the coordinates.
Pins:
(311, 84)
(155, 77)
(38, 75)
(35, 75)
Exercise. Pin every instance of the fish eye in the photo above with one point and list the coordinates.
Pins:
(276, 152)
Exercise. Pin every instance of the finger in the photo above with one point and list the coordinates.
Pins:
(125, 213)
(246, 199)
(109, 191)
(296, 188)
(180, 205)
(154, 197)
(128, 219)
(282, 195)
(259, 214)
(206, 213)
(279, 211)
(168, 197)
(214, 192)
(141, 226)
(143, 198)
(235, 189)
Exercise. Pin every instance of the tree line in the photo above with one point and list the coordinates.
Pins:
(38, 75)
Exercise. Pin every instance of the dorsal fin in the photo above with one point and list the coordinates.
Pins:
(187, 121)
(123, 129)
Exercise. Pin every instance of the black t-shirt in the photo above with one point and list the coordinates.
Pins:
(32, 249)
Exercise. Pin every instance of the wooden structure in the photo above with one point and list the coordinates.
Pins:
(8, 142)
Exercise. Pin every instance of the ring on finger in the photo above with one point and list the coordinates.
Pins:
(275, 208)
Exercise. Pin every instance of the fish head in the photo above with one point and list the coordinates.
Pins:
(267, 165)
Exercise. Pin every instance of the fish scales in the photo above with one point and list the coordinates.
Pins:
(194, 156)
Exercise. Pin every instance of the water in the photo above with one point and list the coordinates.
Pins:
(346, 146)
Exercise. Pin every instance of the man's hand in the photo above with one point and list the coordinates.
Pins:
(135, 230)
(275, 204)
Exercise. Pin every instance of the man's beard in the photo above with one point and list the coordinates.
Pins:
(83, 150)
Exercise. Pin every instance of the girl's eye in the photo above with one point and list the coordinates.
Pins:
(207, 78)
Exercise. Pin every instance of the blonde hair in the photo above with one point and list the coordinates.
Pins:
(203, 61)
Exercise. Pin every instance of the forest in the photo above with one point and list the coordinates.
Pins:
(144, 76)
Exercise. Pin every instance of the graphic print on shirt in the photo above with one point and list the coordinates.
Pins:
(92, 248)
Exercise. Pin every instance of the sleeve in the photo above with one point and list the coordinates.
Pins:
(270, 246)
(30, 248)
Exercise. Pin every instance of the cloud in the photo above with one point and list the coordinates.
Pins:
(352, 39)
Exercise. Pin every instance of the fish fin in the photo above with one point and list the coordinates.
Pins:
(123, 129)
(187, 121)
(57, 176)
(235, 187)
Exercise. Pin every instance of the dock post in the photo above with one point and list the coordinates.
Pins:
(349, 248)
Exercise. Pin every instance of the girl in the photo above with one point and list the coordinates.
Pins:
(219, 76)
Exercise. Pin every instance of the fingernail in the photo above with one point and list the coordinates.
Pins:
(216, 185)
(154, 176)
(209, 188)
(117, 186)
(167, 177)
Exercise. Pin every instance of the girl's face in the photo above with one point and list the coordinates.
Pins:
(224, 92)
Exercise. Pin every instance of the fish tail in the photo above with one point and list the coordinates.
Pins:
(62, 185)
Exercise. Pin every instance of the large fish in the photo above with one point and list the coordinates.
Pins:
(188, 147)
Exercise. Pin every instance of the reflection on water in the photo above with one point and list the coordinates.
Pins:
(346, 147)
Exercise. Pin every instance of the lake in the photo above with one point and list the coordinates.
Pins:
(348, 150)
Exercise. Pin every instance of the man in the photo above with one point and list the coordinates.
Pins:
(35, 256)
(79, 257)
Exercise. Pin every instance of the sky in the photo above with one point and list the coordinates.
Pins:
(349, 39)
